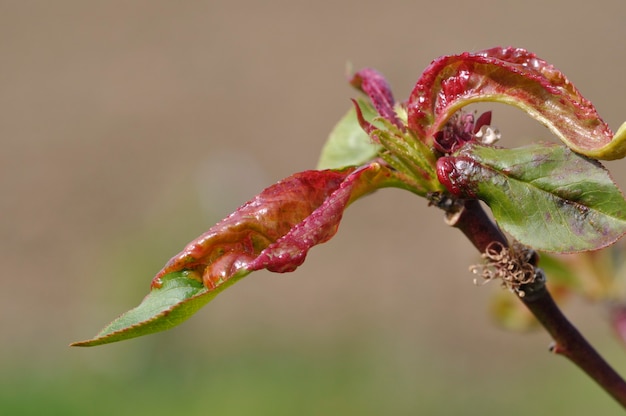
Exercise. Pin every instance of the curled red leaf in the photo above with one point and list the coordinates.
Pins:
(517, 77)
(235, 241)
(276, 229)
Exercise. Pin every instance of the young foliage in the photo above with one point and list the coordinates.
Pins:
(550, 197)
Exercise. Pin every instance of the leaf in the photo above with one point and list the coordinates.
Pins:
(517, 77)
(273, 231)
(348, 144)
(372, 83)
(181, 295)
(289, 217)
(544, 195)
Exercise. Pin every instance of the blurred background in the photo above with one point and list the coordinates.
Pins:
(127, 128)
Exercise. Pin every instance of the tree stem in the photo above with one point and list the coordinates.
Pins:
(471, 219)
(570, 343)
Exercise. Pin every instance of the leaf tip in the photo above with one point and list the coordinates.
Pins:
(616, 148)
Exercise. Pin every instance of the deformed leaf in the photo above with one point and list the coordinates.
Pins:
(516, 77)
(273, 231)
(348, 144)
(291, 216)
(544, 195)
(237, 240)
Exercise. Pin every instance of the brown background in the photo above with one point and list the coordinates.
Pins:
(127, 128)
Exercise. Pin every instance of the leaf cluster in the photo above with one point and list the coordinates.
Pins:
(551, 197)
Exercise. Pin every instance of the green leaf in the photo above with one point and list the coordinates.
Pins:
(179, 297)
(544, 195)
(348, 144)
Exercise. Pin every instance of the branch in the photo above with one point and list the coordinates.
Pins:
(570, 343)
(469, 217)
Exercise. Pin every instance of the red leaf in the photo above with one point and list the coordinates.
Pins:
(365, 125)
(511, 76)
(372, 83)
(276, 229)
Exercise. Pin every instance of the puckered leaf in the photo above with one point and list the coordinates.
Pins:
(300, 211)
(516, 77)
(273, 231)
(544, 195)
(348, 144)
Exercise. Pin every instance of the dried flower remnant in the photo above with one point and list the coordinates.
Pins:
(514, 266)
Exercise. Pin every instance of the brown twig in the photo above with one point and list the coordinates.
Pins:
(570, 343)
(469, 217)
